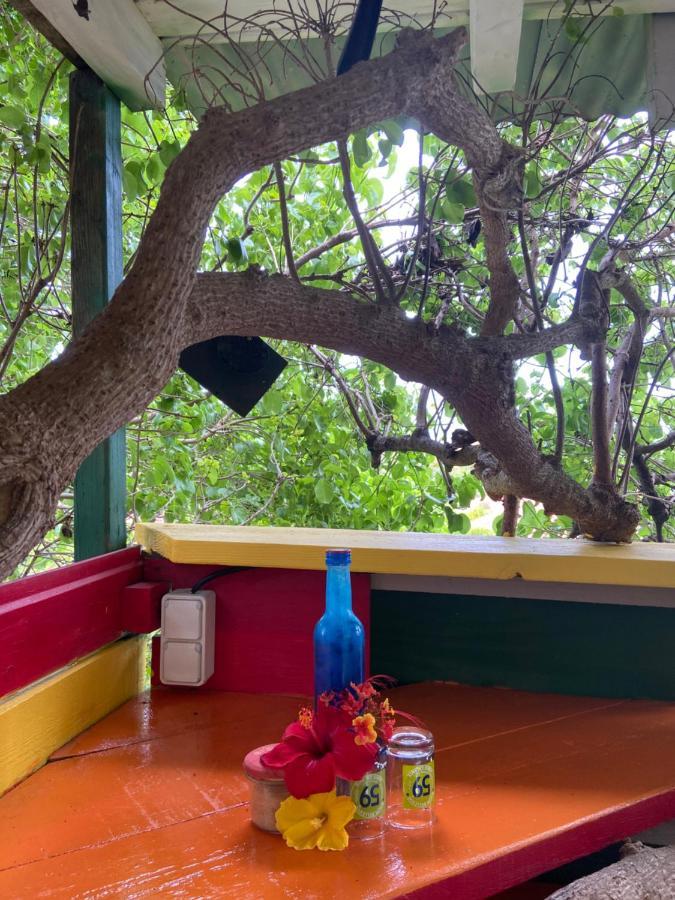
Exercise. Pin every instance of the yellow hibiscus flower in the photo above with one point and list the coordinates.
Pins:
(318, 821)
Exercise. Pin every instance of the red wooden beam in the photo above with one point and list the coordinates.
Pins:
(141, 606)
(48, 620)
(264, 624)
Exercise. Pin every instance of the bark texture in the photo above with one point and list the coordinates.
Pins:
(644, 874)
(122, 360)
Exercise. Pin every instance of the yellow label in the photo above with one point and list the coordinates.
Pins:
(419, 786)
(369, 796)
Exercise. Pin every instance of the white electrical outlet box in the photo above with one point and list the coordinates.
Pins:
(188, 637)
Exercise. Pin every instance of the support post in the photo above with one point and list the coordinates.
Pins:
(96, 270)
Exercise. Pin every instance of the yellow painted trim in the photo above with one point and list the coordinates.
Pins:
(41, 718)
(405, 553)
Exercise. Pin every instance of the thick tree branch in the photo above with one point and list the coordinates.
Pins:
(447, 454)
(474, 375)
(113, 370)
(663, 444)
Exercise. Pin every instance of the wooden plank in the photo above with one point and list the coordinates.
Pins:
(34, 722)
(613, 594)
(205, 16)
(141, 604)
(536, 645)
(96, 270)
(48, 620)
(494, 30)
(264, 624)
(406, 553)
(524, 782)
(116, 41)
(46, 29)
(661, 71)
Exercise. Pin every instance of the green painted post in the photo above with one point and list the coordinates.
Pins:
(96, 270)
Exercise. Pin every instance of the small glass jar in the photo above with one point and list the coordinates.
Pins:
(267, 789)
(411, 782)
(369, 796)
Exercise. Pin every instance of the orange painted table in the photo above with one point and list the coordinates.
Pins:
(152, 802)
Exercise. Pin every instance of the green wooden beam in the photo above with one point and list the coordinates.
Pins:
(596, 649)
(96, 270)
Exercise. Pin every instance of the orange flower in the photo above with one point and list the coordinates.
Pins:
(365, 729)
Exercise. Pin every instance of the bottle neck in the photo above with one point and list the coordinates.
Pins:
(338, 589)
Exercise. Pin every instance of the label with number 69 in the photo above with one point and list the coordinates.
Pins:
(369, 795)
(419, 786)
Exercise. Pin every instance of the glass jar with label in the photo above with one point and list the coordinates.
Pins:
(411, 782)
(369, 796)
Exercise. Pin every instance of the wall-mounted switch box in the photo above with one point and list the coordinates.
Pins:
(187, 643)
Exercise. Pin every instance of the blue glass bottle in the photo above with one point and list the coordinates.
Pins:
(339, 638)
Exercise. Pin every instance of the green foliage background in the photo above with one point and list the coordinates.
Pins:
(297, 460)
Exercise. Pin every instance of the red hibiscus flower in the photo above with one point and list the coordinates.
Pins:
(313, 755)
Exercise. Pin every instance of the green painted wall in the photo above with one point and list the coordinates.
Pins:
(539, 645)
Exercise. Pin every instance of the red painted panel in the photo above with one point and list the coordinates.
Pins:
(264, 624)
(141, 606)
(48, 620)
(55, 578)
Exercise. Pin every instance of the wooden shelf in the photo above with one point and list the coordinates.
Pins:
(405, 553)
(152, 800)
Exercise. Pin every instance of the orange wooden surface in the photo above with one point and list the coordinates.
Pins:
(152, 801)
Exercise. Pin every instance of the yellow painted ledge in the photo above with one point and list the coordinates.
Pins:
(41, 718)
(405, 553)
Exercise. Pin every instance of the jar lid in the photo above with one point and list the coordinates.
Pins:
(256, 770)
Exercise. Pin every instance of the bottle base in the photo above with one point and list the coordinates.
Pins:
(409, 819)
(365, 829)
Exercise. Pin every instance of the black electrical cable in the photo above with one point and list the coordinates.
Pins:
(361, 35)
(219, 573)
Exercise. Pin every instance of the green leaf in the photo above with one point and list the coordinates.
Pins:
(12, 116)
(153, 169)
(361, 149)
(532, 183)
(453, 213)
(309, 157)
(236, 250)
(618, 11)
(457, 522)
(130, 184)
(394, 132)
(385, 149)
(168, 151)
(324, 491)
(273, 403)
(459, 190)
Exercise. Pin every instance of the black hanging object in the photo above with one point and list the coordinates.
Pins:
(473, 231)
(361, 35)
(237, 370)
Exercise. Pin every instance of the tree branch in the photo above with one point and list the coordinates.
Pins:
(111, 372)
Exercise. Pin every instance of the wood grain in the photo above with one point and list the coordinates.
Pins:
(96, 270)
(48, 620)
(406, 553)
(35, 722)
(152, 801)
